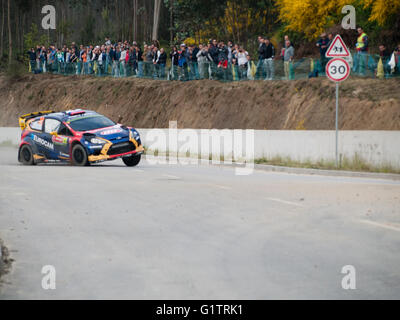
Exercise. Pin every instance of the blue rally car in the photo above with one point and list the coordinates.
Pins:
(80, 137)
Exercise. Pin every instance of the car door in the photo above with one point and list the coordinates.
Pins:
(51, 138)
(62, 141)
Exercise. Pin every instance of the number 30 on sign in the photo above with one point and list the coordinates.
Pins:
(337, 69)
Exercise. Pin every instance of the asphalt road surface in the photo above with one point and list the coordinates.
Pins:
(195, 232)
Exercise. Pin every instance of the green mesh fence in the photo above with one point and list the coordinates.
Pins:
(364, 65)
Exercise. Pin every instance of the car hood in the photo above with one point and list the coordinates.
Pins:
(113, 134)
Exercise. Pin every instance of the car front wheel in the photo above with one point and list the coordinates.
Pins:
(79, 156)
(132, 161)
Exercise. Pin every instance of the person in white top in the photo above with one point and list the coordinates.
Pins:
(242, 62)
(122, 62)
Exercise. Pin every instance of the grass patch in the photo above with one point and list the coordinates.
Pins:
(354, 164)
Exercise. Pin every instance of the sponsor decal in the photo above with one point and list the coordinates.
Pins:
(111, 131)
(60, 140)
(43, 142)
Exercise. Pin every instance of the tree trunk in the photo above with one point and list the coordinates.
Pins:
(135, 19)
(9, 34)
(157, 7)
(2, 29)
(171, 23)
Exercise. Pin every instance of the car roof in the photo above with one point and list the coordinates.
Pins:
(66, 115)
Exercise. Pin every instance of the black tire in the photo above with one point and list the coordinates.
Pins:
(26, 155)
(132, 161)
(79, 156)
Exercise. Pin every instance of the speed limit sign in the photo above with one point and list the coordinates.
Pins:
(337, 70)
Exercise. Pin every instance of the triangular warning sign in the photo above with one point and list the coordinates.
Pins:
(337, 48)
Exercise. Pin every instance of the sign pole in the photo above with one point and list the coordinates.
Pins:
(337, 69)
(337, 124)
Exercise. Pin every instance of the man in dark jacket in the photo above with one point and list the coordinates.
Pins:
(323, 44)
(223, 53)
(183, 58)
(269, 59)
(262, 48)
(32, 59)
(194, 67)
(161, 62)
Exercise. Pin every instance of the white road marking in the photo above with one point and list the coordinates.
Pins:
(286, 202)
(381, 225)
(222, 187)
(171, 176)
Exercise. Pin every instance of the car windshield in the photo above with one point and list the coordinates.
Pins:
(86, 123)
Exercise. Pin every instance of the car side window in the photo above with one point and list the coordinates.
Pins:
(36, 125)
(51, 125)
(64, 131)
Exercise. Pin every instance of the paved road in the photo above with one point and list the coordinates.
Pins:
(183, 232)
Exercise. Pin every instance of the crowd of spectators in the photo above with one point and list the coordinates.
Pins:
(214, 60)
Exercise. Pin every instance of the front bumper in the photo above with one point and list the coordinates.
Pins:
(104, 153)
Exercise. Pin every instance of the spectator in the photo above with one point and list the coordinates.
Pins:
(230, 50)
(269, 59)
(115, 56)
(32, 60)
(288, 58)
(122, 62)
(139, 56)
(360, 64)
(384, 54)
(174, 55)
(43, 60)
(242, 63)
(323, 44)
(213, 51)
(262, 51)
(183, 63)
(222, 60)
(286, 38)
(394, 62)
(251, 68)
(132, 61)
(60, 61)
(202, 61)
(193, 63)
(161, 62)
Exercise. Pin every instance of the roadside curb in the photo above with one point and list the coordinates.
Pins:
(306, 171)
(331, 173)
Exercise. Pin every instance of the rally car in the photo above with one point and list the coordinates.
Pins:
(80, 137)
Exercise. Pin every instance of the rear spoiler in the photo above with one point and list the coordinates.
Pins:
(25, 117)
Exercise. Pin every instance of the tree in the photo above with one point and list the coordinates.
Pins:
(9, 34)
(382, 10)
(312, 17)
(157, 8)
(2, 28)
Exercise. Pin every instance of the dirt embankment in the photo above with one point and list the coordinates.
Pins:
(365, 104)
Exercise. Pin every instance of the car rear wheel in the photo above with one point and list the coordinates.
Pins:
(79, 156)
(132, 161)
(26, 155)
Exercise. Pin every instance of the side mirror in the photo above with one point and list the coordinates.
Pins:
(54, 133)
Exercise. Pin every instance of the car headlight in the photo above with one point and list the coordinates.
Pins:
(97, 141)
(136, 135)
